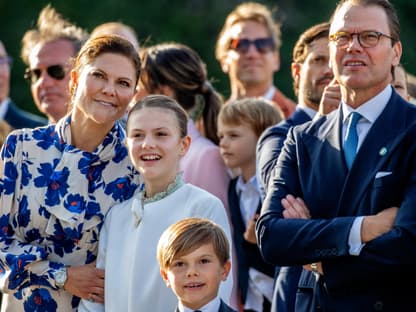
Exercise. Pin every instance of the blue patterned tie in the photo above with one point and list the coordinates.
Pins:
(351, 139)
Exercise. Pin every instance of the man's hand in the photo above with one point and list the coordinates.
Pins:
(86, 281)
(295, 208)
(331, 97)
(374, 226)
(250, 233)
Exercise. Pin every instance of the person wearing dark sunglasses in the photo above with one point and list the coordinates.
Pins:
(16, 117)
(47, 51)
(248, 51)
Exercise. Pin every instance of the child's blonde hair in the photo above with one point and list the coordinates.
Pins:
(185, 236)
(258, 113)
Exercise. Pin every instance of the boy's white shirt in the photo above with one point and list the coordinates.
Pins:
(259, 284)
(212, 306)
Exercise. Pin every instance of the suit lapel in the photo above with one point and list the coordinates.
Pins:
(328, 170)
(375, 150)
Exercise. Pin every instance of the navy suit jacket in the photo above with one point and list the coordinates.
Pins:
(383, 175)
(269, 147)
(270, 144)
(18, 118)
(223, 308)
(248, 254)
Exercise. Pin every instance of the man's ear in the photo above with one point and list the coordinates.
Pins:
(397, 53)
(296, 68)
(225, 63)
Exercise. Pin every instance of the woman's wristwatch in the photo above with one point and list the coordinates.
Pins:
(60, 276)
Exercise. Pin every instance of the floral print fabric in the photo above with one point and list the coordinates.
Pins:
(53, 199)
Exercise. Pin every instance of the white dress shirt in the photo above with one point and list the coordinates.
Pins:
(259, 284)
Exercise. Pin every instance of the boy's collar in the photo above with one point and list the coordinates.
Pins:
(212, 306)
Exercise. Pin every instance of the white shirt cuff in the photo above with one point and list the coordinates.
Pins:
(354, 239)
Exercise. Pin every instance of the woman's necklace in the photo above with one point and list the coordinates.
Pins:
(176, 184)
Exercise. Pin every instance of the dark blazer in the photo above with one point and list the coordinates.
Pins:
(248, 254)
(18, 118)
(223, 308)
(270, 144)
(383, 175)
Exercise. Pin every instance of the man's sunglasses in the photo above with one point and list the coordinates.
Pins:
(57, 72)
(263, 45)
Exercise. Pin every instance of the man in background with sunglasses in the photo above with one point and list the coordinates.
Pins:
(248, 51)
(9, 111)
(47, 51)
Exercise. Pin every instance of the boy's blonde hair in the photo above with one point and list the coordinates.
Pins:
(185, 236)
(258, 113)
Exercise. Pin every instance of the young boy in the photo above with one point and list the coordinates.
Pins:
(194, 257)
(240, 124)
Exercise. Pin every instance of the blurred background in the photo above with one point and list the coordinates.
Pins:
(192, 22)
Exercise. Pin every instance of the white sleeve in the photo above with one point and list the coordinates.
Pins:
(354, 239)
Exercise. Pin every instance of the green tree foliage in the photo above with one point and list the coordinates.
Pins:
(192, 22)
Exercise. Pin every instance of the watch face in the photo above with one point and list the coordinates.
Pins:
(60, 277)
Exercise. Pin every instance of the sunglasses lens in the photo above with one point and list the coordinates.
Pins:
(56, 71)
(242, 45)
(264, 45)
(32, 74)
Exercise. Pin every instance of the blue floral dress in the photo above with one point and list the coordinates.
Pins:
(53, 199)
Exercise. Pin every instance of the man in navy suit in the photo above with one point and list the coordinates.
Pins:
(13, 115)
(351, 168)
(311, 74)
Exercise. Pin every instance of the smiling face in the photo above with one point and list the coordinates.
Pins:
(195, 277)
(363, 71)
(104, 88)
(155, 146)
(252, 68)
